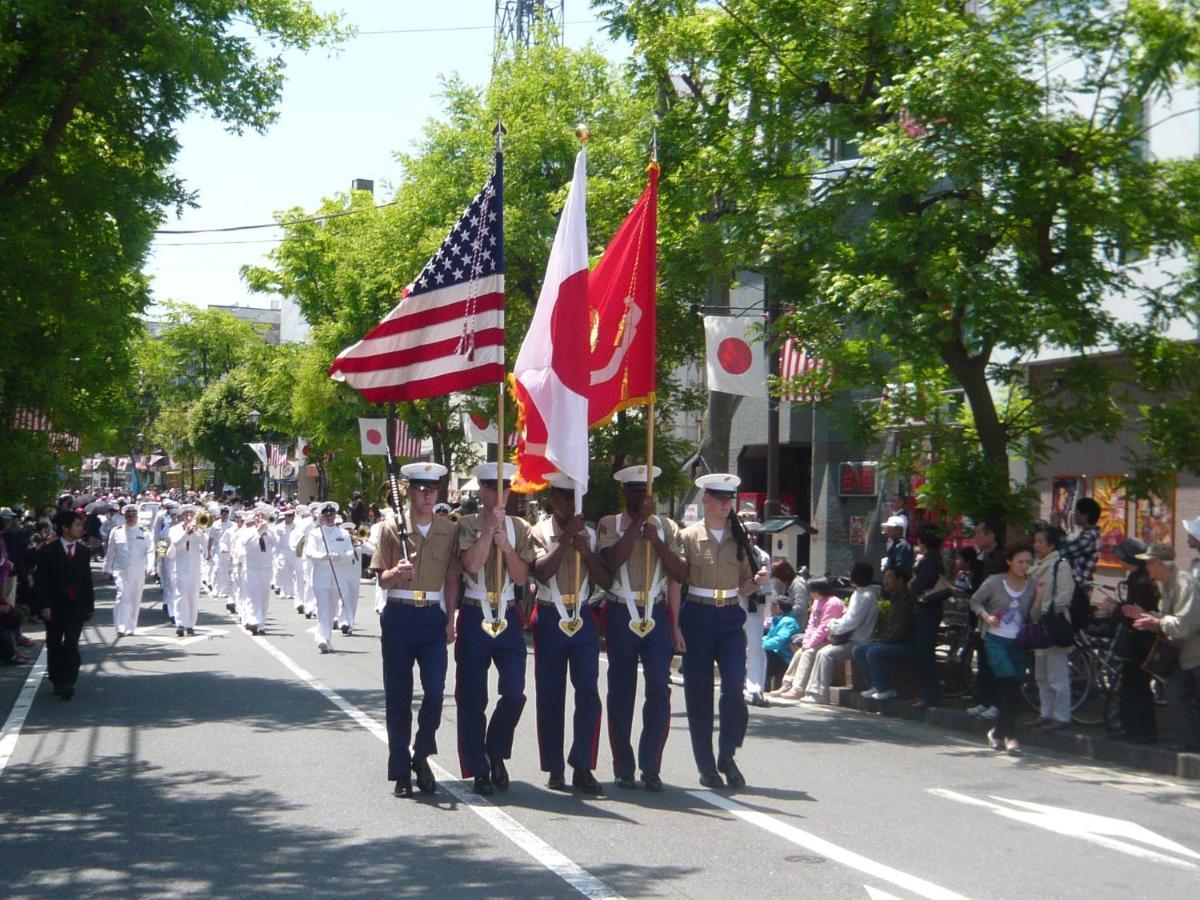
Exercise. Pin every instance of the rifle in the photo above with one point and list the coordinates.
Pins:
(745, 550)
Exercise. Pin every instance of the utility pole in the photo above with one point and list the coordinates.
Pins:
(518, 21)
(771, 313)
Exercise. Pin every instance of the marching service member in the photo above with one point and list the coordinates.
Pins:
(639, 621)
(419, 571)
(186, 554)
(327, 546)
(256, 549)
(129, 561)
(222, 564)
(161, 530)
(302, 566)
(496, 552)
(710, 629)
(284, 575)
(565, 637)
(349, 571)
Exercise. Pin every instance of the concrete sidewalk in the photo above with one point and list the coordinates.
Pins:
(1081, 741)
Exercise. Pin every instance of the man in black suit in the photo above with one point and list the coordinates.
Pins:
(63, 586)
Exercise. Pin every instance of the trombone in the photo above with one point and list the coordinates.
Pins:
(203, 519)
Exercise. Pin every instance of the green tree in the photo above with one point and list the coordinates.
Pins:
(91, 94)
(999, 198)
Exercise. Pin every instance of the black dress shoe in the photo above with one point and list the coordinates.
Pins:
(58, 689)
(626, 782)
(403, 787)
(583, 780)
(231, 607)
(191, 631)
(425, 780)
(68, 692)
(179, 632)
(484, 786)
(499, 774)
(556, 782)
(652, 782)
(732, 773)
(345, 629)
(712, 780)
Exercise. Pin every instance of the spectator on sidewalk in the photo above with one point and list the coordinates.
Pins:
(854, 627)
(1054, 588)
(1179, 622)
(1002, 604)
(786, 582)
(929, 600)
(989, 560)
(1135, 701)
(899, 553)
(1082, 552)
(896, 647)
(777, 642)
(65, 595)
(826, 606)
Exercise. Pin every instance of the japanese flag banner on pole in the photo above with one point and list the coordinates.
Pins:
(372, 434)
(553, 369)
(735, 362)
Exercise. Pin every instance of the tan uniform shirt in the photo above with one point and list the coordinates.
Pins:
(711, 565)
(544, 536)
(435, 556)
(635, 567)
(469, 529)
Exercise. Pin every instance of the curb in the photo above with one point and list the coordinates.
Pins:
(1094, 747)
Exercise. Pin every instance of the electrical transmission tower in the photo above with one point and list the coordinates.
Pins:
(517, 23)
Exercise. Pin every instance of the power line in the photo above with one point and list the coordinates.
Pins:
(217, 243)
(457, 28)
(338, 215)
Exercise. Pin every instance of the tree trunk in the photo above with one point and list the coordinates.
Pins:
(971, 373)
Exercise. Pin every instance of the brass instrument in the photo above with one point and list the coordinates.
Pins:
(160, 549)
(203, 520)
(361, 533)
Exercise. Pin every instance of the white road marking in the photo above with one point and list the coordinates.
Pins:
(1114, 834)
(829, 850)
(876, 894)
(202, 634)
(570, 872)
(16, 717)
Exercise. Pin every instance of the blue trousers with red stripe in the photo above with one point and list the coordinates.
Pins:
(714, 634)
(481, 740)
(412, 634)
(554, 655)
(625, 651)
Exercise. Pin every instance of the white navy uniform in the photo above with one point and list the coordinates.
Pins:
(257, 551)
(330, 552)
(130, 559)
(186, 554)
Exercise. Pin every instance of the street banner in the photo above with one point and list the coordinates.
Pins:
(260, 450)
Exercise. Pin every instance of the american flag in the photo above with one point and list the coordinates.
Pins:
(795, 362)
(27, 419)
(405, 445)
(278, 459)
(447, 332)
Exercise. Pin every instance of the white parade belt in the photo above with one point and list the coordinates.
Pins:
(416, 598)
(489, 602)
(715, 596)
(570, 619)
(639, 603)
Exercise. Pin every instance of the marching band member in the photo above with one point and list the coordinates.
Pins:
(285, 560)
(129, 561)
(349, 572)
(640, 617)
(490, 631)
(419, 572)
(310, 597)
(221, 563)
(256, 549)
(710, 629)
(326, 546)
(186, 554)
(161, 529)
(565, 637)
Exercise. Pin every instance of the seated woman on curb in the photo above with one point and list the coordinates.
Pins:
(777, 643)
(1002, 604)
(826, 606)
(898, 644)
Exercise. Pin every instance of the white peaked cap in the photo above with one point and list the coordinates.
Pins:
(424, 471)
(635, 474)
(719, 481)
(487, 471)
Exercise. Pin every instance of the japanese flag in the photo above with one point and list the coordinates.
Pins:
(372, 434)
(735, 360)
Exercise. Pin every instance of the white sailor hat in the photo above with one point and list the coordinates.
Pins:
(324, 507)
(442, 508)
(169, 504)
(635, 475)
(720, 483)
(560, 482)
(1192, 527)
(187, 508)
(287, 511)
(315, 507)
(265, 509)
(487, 471)
(423, 471)
(127, 507)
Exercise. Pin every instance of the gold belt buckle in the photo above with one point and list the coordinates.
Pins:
(418, 598)
(493, 598)
(641, 597)
(569, 601)
(719, 597)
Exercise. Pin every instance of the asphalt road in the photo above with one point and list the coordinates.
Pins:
(226, 765)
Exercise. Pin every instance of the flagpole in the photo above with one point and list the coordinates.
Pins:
(646, 568)
(498, 575)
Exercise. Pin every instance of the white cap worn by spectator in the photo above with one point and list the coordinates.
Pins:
(895, 522)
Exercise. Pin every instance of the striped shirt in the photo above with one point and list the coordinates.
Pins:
(1083, 552)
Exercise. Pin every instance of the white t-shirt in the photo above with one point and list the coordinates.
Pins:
(1010, 619)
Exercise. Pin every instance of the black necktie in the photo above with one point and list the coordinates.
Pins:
(262, 543)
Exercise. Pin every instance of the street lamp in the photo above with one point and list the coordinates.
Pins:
(255, 417)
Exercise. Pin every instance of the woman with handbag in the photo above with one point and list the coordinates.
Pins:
(930, 588)
(1002, 604)
(1054, 585)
